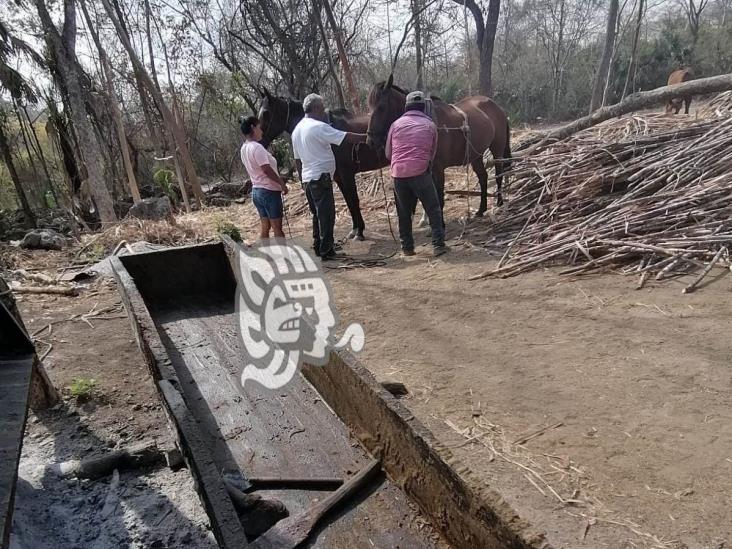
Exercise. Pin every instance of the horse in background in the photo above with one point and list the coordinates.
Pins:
(465, 131)
(278, 115)
(677, 77)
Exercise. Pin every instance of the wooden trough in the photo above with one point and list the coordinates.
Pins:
(17, 359)
(330, 422)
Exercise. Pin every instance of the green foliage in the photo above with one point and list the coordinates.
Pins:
(165, 179)
(280, 149)
(83, 388)
(229, 229)
(96, 252)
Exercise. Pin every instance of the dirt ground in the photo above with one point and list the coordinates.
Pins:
(600, 412)
(633, 385)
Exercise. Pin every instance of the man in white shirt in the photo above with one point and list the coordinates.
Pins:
(312, 140)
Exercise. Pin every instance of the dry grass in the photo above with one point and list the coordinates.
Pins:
(556, 477)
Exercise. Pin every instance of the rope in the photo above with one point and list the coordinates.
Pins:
(284, 214)
(468, 147)
(376, 261)
(386, 205)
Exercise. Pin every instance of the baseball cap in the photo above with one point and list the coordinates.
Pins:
(415, 97)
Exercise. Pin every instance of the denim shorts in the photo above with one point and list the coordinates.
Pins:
(268, 203)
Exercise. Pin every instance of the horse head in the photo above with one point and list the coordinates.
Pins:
(277, 115)
(386, 103)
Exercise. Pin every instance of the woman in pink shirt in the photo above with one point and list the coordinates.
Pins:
(267, 185)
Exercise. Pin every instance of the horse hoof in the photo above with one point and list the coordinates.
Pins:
(358, 237)
(353, 234)
(479, 213)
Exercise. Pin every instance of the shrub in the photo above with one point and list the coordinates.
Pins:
(229, 229)
(82, 388)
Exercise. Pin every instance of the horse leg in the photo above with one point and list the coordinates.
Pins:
(480, 171)
(347, 184)
(499, 183)
(687, 104)
(501, 150)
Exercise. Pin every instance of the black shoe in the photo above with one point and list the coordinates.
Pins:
(332, 256)
(441, 250)
(408, 253)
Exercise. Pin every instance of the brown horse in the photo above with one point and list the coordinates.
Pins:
(465, 131)
(677, 77)
(279, 115)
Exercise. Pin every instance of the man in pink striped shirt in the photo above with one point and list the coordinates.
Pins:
(411, 146)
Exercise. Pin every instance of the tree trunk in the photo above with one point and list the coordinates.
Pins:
(67, 69)
(486, 48)
(557, 61)
(329, 56)
(630, 77)
(169, 119)
(8, 159)
(121, 135)
(417, 16)
(634, 102)
(40, 155)
(114, 108)
(352, 91)
(603, 67)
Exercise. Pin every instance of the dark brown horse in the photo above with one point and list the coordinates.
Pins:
(279, 115)
(465, 131)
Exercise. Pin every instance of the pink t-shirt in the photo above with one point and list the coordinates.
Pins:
(254, 156)
(411, 144)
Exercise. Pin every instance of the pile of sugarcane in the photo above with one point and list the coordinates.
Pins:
(719, 107)
(650, 195)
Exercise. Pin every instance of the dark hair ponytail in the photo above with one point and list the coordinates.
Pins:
(248, 123)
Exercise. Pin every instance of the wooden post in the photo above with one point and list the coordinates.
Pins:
(352, 91)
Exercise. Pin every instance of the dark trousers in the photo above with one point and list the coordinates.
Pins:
(322, 205)
(407, 190)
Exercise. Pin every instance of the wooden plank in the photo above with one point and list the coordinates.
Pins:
(225, 523)
(468, 516)
(15, 376)
(289, 432)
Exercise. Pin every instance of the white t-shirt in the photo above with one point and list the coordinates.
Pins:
(311, 141)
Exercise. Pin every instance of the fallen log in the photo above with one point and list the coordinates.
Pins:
(53, 290)
(632, 103)
(41, 278)
(132, 457)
